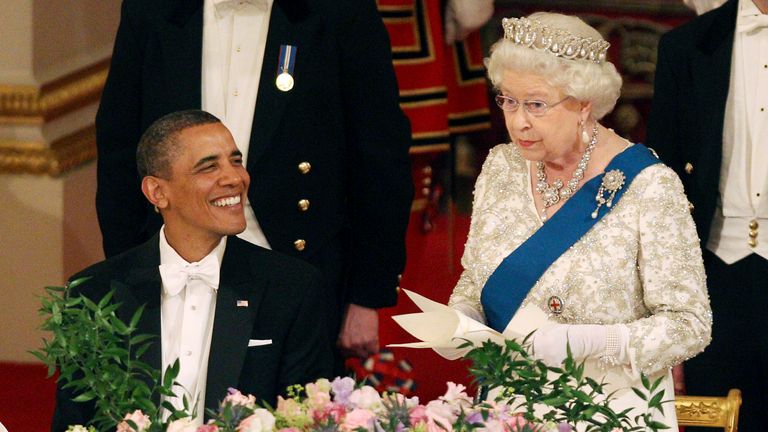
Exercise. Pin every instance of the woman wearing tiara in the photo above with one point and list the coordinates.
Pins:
(576, 220)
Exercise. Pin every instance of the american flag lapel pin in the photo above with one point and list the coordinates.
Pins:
(242, 303)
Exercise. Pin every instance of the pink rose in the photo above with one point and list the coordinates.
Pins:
(358, 418)
(334, 411)
(418, 415)
(236, 398)
(208, 428)
(138, 417)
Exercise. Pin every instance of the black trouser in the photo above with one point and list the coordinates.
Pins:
(738, 354)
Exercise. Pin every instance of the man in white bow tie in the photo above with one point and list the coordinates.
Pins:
(709, 122)
(233, 314)
(308, 90)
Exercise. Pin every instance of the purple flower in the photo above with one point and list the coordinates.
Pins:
(564, 427)
(475, 417)
(342, 388)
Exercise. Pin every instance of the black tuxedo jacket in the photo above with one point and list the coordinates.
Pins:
(690, 91)
(342, 117)
(284, 298)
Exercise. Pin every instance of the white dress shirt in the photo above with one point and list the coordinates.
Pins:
(234, 40)
(187, 324)
(740, 225)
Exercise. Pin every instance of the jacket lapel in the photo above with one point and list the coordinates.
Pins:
(289, 24)
(142, 287)
(239, 294)
(710, 75)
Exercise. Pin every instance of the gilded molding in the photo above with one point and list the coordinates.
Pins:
(63, 154)
(30, 104)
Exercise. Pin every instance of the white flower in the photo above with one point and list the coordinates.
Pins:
(456, 396)
(366, 397)
(78, 428)
(261, 421)
(441, 413)
(182, 425)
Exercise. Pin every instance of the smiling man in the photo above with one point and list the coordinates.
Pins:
(234, 314)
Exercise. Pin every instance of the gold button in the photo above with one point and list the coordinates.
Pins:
(753, 242)
(688, 167)
(753, 233)
(425, 191)
(304, 205)
(397, 290)
(305, 167)
(300, 244)
(427, 170)
(426, 181)
(753, 224)
(690, 207)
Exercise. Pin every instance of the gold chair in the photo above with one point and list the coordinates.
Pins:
(709, 411)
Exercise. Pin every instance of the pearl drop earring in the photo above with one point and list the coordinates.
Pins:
(585, 138)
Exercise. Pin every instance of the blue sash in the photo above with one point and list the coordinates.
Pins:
(509, 284)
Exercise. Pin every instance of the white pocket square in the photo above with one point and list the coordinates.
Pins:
(259, 342)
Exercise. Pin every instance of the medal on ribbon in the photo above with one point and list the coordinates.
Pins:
(285, 65)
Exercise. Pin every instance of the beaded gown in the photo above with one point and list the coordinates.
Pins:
(639, 266)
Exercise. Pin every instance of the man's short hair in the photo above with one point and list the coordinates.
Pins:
(158, 144)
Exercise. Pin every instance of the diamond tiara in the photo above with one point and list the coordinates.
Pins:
(533, 34)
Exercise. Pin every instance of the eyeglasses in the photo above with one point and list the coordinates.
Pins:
(533, 107)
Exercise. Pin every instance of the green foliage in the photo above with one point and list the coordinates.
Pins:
(572, 397)
(98, 357)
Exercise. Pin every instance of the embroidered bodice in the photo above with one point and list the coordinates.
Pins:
(640, 265)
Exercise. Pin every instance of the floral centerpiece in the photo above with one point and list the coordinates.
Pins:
(98, 357)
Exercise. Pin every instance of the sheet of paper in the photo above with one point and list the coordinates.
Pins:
(445, 329)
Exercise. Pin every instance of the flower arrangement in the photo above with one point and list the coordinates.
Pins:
(342, 405)
(90, 343)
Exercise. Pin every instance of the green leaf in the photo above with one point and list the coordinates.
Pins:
(84, 397)
(640, 394)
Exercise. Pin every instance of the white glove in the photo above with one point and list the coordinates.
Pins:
(603, 342)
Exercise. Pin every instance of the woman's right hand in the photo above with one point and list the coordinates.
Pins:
(586, 341)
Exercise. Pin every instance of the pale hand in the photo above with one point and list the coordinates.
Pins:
(359, 336)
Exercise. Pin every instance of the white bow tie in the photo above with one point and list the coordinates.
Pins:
(175, 276)
(224, 6)
(748, 23)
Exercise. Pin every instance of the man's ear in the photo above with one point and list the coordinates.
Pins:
(153, 189)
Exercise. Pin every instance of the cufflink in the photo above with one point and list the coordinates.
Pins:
(688, 168)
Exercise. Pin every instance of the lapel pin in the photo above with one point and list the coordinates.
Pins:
(285, 65)
(242, 303)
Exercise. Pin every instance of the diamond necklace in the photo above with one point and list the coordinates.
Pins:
(552, 194)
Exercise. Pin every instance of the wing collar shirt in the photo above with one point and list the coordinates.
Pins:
(188, 306)
(740, 225)
(234, 41)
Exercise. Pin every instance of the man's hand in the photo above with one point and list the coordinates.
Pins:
(678, 377)
(359, 336)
